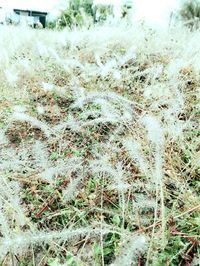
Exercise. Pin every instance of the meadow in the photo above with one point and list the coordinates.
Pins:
(99, 146)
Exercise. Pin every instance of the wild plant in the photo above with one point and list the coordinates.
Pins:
(99, 145)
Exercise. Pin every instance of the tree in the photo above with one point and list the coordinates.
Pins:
(82, 12)
(102, 12)
(190, 13)
(76, 12)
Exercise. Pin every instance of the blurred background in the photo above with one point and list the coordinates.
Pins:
(77, 13)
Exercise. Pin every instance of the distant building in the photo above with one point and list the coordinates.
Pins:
(31, 17)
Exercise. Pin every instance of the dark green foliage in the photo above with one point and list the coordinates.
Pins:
(81, 11)
(190, 13)
(75, 14)
(102, 12)
(70, 18)
(88, 7)
(126, 8)
(51, 24)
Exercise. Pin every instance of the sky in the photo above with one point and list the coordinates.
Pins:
(152, 11)
(46, 5)
(155, 12)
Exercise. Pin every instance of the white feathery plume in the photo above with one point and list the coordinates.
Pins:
(42, 49)
(19, 108)
(3, 138)
(135, 152)
(20, 116)
(11, 76)
(69, 191)
(19, 242)
(104, 166)
(141, 201)
(134, 246)
(13, 160)
(41, 155)
(40, 109)
(61, 167)
(155, 131)
(47, 86)
(10, 198)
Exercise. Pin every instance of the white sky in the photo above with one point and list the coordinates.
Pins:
(45, 5)
(152, 11)
(155, 11)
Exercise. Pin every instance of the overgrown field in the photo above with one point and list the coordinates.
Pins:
(99, 147)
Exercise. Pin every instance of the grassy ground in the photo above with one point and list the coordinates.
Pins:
(99, 147)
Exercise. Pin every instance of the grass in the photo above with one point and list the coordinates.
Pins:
(99, 146)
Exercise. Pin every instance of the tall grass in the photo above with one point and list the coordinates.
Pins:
(99, 146)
